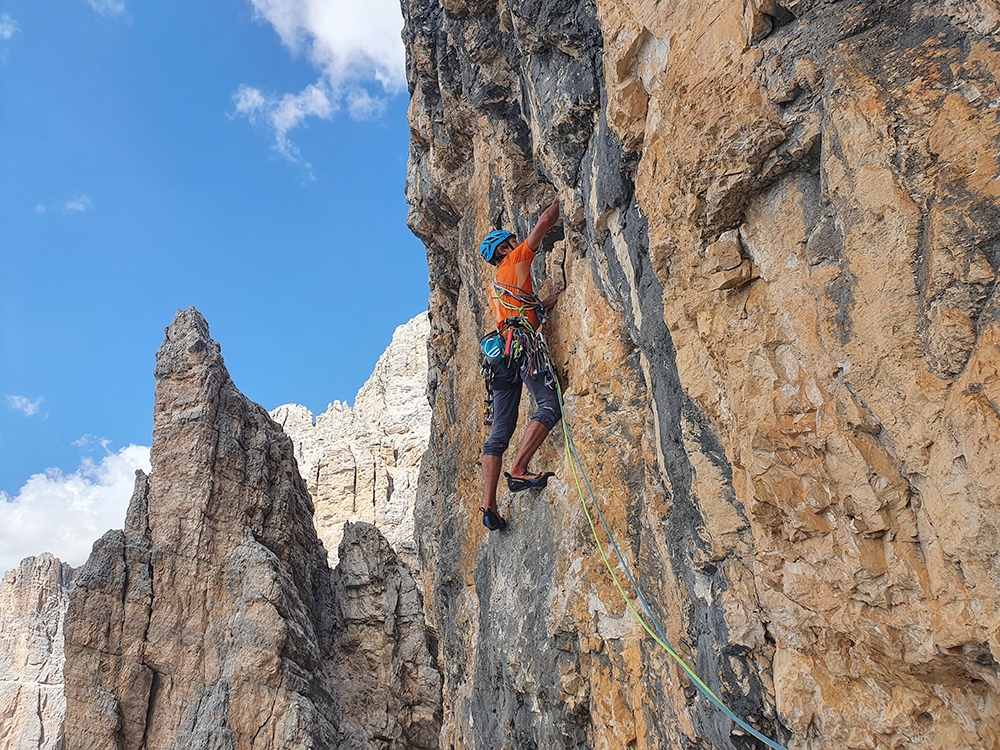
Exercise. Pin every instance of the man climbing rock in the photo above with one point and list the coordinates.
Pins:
(516, 355)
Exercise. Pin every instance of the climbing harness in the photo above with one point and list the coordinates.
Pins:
(522, 338)
(516, 341)
(522, 348)
(658, 636)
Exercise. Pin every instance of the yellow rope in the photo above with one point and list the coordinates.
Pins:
(574, 460)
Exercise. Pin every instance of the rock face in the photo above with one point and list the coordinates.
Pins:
(362, 464)
(213, 620)
(33, 600)
(780, 347)
(386, 681)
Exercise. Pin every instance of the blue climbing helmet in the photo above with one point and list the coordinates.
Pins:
(488, 247)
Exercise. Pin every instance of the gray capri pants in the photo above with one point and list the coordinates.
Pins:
(507, 380)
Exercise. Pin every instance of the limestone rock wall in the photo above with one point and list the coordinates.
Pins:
(362, 464)
(213, 619)
(33, 599)
(779, 349)
(388, 683)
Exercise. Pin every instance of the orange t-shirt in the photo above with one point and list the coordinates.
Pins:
(514, 275)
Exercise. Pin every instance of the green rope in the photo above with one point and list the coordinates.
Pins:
(575, 464)
(528, 301)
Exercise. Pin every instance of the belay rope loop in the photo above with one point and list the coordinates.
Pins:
(521, 301)
(658, 636)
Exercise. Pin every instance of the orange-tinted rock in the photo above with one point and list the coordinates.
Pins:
(778, 345)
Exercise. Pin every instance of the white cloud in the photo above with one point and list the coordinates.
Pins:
(65, 514)
(350, 42)
(8, 27)
(363, 106)
(279, 116)
(23, 404)
(346, 39)
(108, 8)
(249, 101)
(91, 440)
(79, 204)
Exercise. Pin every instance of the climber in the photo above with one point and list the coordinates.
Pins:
(514, 354)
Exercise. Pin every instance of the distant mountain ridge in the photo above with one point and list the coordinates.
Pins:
(33, 601)
(362, 464)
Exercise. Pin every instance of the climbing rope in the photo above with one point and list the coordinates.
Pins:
(526, 301)
(523, 340)
(658, 636)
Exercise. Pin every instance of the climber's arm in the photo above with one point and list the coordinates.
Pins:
(548, 219)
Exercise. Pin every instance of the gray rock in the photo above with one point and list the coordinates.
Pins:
(362, 464)
(33, 600)
(212, 621)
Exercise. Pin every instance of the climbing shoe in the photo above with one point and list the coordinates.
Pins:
(528, 481)
(492, 520)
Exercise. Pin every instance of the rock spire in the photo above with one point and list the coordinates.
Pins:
(213, 620)
(33, 600)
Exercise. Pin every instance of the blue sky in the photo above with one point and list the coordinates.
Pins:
(247, 157)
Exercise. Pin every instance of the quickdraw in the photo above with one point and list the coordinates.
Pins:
(487, 373)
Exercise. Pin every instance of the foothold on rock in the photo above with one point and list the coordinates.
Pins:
(724, 254)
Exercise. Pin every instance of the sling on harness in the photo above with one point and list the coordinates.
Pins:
(519, 302)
